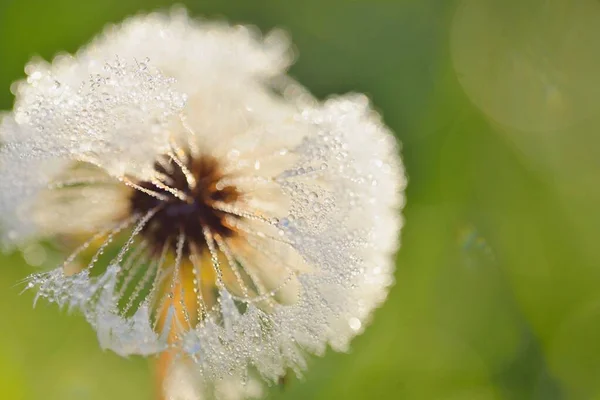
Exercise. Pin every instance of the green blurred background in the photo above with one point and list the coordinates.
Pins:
(496, 104)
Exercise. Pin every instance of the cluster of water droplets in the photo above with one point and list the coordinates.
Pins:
(124, 106)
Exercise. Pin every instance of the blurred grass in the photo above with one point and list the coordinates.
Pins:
(497, 282)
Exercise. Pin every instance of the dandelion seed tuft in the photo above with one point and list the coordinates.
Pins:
(225, 226)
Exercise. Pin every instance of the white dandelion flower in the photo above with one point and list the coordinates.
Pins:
(225, 217)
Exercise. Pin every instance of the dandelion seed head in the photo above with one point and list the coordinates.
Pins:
(231, 225)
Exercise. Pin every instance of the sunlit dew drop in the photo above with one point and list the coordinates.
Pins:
(529, 65)
(355, 324)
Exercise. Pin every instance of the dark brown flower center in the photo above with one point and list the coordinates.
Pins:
(187, 201)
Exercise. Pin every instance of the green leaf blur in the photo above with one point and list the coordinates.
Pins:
(496, 104)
